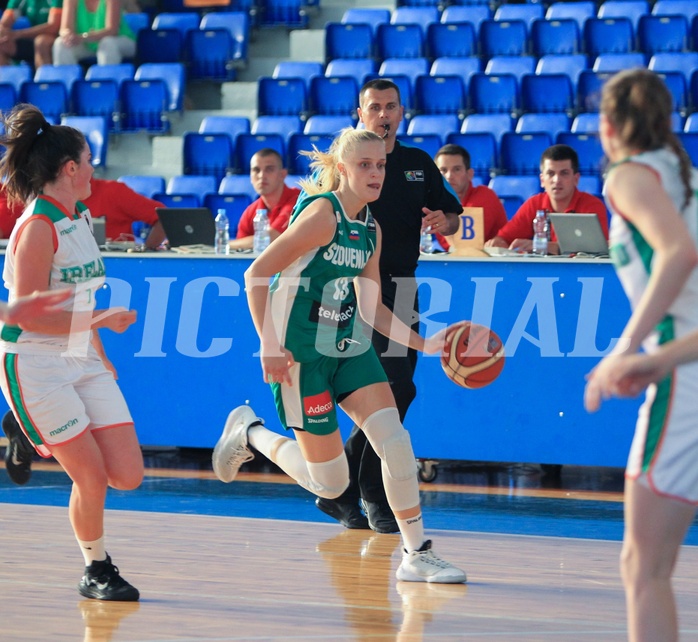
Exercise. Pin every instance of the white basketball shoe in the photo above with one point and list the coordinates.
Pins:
(232, 451)
(424, 565)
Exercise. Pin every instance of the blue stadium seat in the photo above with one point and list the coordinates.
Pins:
(136, 21)
(440, 95)
(618, 61)
(348, 40)
(589, 89)
(685, 62)
(579, 11)
(51, 97)
(290, 14)
(554, 37)
(511, 205)
(172, 74)
(8, 96)
(586, 123)
(230, 125)
(144, 106)
(457, 39)
(677, 86)
(677, 122)
(691, 124)
(359, 69)
(590, 184)
(550, 123)
(608, 35)
(569, 64)
(693, 89)
(400, 41)
(118, 73)
(522, 187)
(209, 54)
(422, 16)
(233, 204)
(247, 145)
(410, 67)
(299, 164)
(662, 33)
(366, 15)
(178, 199)
(325, 124)
(284, 125)
(159, 45)
(686, 8)
(547, 93)
(67, 74)
(689, 140)
(474, 14)
(16, 75)
(182, 21)
(588, 148)
(206, 155)
(494, 93)
(483, 149)
(237, 184)
(461, 67)
(144, 184)
(438, 124)
(631, 9)
(520, 153)
(334, 95)
(298, 69)
(528, 12)
(96, 133)
(97, 98)
(199, 185)
(430, 143)
(238, 25)
(281, 96)
(495, 124)
(516, 65)
(503, 38)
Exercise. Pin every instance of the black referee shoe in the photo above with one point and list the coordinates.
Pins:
(102, 581)
(19, 452)
(348, 515)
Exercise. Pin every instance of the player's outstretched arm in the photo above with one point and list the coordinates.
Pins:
(38, 304)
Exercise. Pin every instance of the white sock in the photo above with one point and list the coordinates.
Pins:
(93, 551)
(412, 531)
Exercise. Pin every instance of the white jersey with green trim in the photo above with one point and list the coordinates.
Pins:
(633, 256)
(77, 264)
(313, 300)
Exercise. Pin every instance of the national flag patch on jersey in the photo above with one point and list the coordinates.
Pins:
(413, 175)
(353, 235)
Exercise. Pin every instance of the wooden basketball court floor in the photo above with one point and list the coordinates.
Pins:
(254, 560)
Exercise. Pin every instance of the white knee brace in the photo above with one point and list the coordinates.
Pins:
(391, 442)
(328, 479)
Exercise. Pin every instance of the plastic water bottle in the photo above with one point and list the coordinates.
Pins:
(541, 226)
(426, 243)
(261, 231)
(222, 245)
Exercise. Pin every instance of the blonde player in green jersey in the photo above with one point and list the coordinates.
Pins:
(314, 355)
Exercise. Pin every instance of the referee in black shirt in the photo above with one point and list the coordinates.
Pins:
(414, 196)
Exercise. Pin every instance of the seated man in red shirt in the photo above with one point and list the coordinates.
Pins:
(559, 175)
(116, 202)
(453, 162)
(267, 174)
(121, 207)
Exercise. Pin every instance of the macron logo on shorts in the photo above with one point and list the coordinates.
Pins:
(318, 404)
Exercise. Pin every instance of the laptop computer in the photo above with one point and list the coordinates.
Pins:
(187, 225)
(99, 230)
(579, 233)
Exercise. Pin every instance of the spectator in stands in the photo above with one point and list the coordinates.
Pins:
(33, 43)
(115, 201)
(267, 174)
(93, 27)
(559, 175)
(453, 162)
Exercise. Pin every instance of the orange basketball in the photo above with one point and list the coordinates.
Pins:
(473, 355)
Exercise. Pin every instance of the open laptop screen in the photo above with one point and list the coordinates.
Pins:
(187, 225)
(578, 233)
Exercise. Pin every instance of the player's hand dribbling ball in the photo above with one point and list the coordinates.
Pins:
(473, 355)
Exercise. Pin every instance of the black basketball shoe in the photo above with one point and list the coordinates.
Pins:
(102, 581)
(19, 452)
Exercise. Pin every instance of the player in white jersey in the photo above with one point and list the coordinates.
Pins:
(650, 189)
(313, 359)
(55, 375)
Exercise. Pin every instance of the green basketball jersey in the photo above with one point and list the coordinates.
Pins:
(313, 300)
